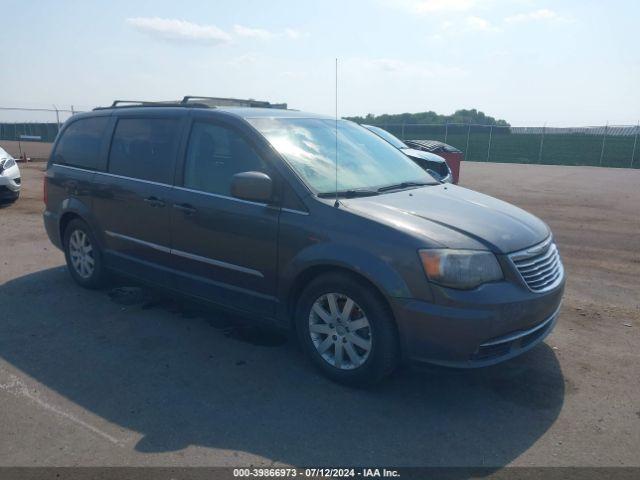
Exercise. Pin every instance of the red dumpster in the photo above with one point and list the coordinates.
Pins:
(452, 155)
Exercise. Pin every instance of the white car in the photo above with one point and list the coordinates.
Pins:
(9, 178)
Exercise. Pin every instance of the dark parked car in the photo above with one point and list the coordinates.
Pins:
(239, 207)
(432, 163)
(452, 155)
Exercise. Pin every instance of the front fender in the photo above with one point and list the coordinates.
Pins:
(373, 268)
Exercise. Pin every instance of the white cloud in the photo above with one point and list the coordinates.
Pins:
(179, 30)
(262, 34)
(480, 24)
(249, 32)
(544, 14)
(294, 34)
(244, 60)
(182, 30)
(437, 37)
(447, 24)
(396, 67)
(293, 75)
(470, 24)
(434, 6)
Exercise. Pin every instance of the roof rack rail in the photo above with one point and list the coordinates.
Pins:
(194, 101)
(145, 103)
(232, 102)
(117, 103)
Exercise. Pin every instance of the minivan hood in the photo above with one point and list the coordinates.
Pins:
(454, 217)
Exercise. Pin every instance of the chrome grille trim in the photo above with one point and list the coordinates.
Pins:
(540, 266)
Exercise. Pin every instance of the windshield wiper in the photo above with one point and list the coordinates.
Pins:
(398, 186)
(348, 193)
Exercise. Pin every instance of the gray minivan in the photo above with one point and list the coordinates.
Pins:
(243, 208)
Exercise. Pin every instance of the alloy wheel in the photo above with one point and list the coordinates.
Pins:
(340, 331)
(81, 254)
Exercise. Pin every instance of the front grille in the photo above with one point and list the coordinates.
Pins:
(540, 266)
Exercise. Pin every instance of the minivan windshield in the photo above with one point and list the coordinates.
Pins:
(365, 161)
(393, 140)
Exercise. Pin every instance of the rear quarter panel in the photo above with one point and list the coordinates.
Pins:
(69, 190)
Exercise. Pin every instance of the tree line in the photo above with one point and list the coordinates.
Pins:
(472, 116)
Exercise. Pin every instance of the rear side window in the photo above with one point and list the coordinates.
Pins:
(80, 144)
(144, 148)
(215, 154)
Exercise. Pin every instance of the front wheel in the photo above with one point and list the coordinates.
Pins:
(347, 330)
(83, 256)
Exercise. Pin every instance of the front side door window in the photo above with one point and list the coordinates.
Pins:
(214, 155)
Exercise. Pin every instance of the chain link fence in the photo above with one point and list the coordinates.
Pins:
(33, 124)
(606, 146)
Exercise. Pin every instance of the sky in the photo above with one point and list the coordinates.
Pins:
(530, 62)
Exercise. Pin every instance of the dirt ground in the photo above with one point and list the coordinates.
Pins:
(120, 377)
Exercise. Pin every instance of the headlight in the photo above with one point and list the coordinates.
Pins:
(6, 163)
(463, 269)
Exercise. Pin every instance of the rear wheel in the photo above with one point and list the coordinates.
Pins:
(84, 259)
(347, 330)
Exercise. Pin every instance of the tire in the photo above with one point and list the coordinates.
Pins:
(83, 256)
(376, 350)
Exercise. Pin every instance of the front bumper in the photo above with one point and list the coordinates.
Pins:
(10, 184)
(495, 323)
(8, 194)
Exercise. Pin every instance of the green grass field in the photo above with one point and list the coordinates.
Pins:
(565, 149)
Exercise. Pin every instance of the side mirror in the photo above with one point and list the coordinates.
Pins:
(252, 186)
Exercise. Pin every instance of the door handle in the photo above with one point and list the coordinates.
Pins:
(185, 207)
(154, 202)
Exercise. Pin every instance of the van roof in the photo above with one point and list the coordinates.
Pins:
(242, 112)
(249, 112)
(243, 108)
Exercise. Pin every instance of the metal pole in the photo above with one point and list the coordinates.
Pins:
(446, 131)
(489, 148)
(57, 116)
(542, 142)
(466, 150)
(604, 142)
(635, 142)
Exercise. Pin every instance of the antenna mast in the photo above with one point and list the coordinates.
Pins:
(337, 203)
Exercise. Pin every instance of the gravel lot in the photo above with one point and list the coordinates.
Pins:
(106, 378)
